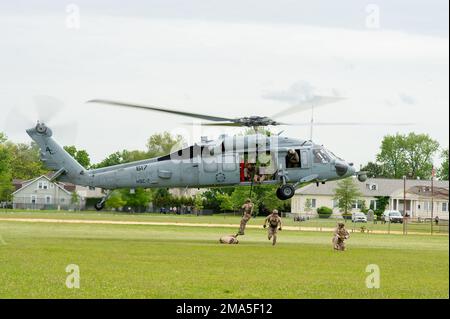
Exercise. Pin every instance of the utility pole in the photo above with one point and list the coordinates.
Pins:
(432, 198)
(405, 219)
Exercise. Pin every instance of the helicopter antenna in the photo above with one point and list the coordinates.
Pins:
(312, 122)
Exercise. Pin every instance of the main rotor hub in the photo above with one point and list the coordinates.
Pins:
(41, 128)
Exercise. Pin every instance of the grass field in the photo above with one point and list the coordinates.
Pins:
(141, 261)
(216, 219)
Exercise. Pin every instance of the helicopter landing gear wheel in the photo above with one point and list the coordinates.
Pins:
(99, 205)
(285, 192)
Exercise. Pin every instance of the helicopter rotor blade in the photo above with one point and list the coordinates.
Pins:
(231, 124)
(159, 109)
(47, 107)
(348, 124)
(315, 101)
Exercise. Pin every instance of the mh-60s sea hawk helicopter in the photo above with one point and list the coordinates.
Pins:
(228, 161)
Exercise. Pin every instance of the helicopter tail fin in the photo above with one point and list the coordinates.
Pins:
(56, 158)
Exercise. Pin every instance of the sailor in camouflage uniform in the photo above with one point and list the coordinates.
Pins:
(247, 214)
(274, 222)
(339, 237)
(229, 239)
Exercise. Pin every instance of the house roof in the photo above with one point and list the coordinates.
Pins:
(30, 182)
(385, 187)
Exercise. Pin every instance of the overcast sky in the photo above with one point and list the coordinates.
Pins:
(226, 58)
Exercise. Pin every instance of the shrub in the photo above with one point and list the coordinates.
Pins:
(324, 212)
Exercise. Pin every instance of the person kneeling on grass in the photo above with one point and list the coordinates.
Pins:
(339, 237)
(274, 222)
(229, 239)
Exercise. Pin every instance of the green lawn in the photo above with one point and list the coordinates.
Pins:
(139, 261)
(214, 219)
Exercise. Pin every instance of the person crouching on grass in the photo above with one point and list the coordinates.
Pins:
(339, 237)
(274, 222)
(228, 239)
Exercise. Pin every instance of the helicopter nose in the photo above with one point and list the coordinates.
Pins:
(341, 168)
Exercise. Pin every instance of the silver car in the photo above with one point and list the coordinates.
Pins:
(359, 218)
(393, 216)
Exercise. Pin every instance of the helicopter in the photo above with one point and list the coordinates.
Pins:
(255, 159)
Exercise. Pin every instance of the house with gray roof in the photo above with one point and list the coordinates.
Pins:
(43, 193)
(421, 200)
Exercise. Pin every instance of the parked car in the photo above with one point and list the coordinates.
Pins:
(359, 218)
(393, 216)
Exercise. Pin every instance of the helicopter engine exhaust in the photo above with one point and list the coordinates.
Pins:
(341, 168)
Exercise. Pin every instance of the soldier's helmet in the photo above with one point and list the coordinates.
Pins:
(248, 200)
(291, 151)
(275, 211)
(341, 225)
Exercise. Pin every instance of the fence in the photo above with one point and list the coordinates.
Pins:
(407, 226)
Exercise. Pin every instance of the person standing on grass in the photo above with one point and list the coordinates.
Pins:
(247, 214)
(339, 237)
(274, 222)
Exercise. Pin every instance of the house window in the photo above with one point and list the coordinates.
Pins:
(33, 199)
(373, 204)
(445, 207)
(48, 199)
(39, 185)
(358, 204)
(311, 201)
(51, 185)
(62, 200)
(44, 185)
(335, 203)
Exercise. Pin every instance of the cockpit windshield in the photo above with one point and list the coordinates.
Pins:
(321, 156)
(333, 156)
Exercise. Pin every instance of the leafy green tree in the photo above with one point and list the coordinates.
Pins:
(162, 144)
(198, 202)
(420, 149)
(373, 170)
(5, 170)
(138, 199)
(81, 156)
(161, 197)
(115, 201)
(392, 157)
(261, 196)
(346, 193)
(443, 170)
(75, 199)
(225, 203)
(407, 155)
(25, 161)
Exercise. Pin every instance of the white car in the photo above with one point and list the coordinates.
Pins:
(359, 218)
(393, 216)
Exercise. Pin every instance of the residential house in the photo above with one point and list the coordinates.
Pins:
(419, 197)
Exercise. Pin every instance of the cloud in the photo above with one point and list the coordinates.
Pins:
(407, 99)
(298, 92)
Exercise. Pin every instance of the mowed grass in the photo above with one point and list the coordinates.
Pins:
(141, 261)
(217, 219)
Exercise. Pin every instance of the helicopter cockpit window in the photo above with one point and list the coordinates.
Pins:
(321, 156)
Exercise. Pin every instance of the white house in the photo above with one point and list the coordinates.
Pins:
(42, 193)
(419, 199)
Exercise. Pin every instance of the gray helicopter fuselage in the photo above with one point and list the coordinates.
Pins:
(221, 164)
